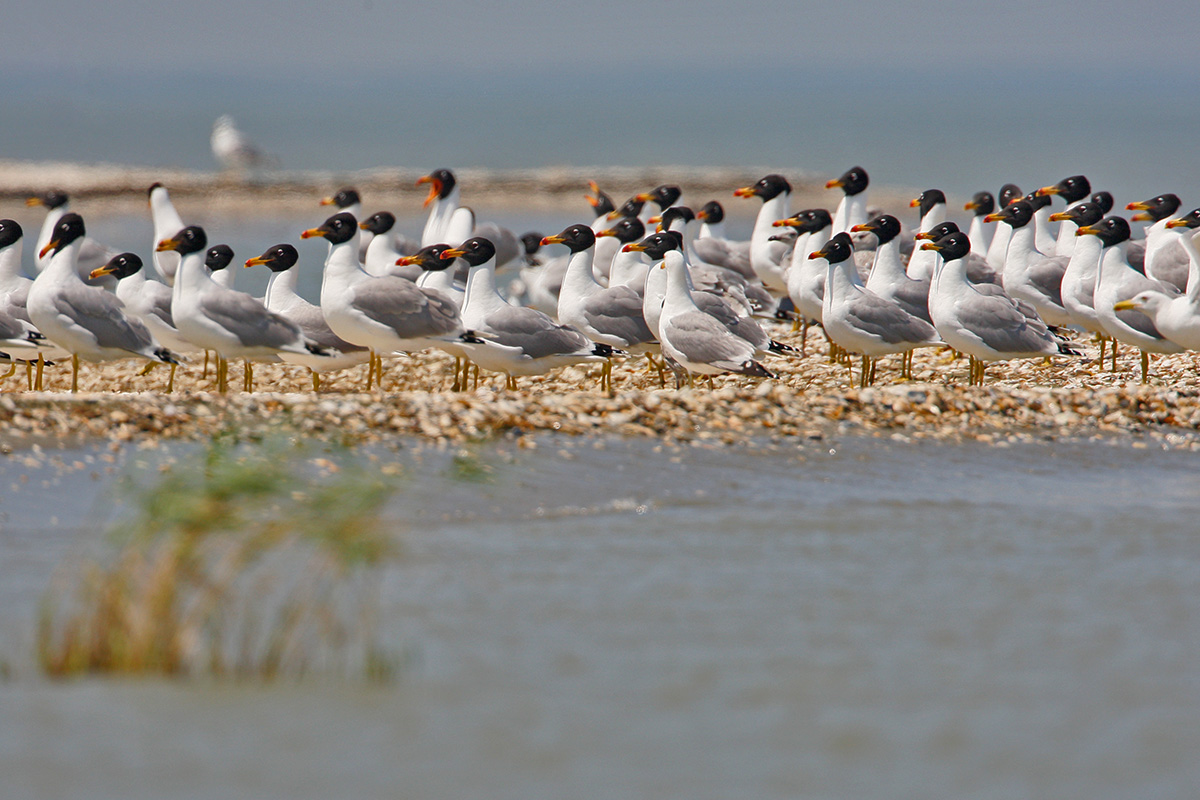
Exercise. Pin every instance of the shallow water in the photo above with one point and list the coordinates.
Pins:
(608, 618)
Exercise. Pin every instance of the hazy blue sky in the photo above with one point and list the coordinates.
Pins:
(224, 35)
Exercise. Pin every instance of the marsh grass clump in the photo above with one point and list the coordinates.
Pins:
(244, 561)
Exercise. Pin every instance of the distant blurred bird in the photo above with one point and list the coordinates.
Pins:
(233, 150)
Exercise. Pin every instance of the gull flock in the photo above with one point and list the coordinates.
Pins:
(651, 277)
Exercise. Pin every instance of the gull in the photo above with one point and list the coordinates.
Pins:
(232, 323)
(436, 273)
(86, 321)
(1030, 275)
(92, 254)
(860, 321)
(1177, 318)
(852, 208)
(383, 250)
(932, 205)
(610, 315)
(998, 248)
(233, 149)
(694, 340)
(167, 223)
(982, 321)
(1074, 190)
(452, 223)
(888, 278)
(980, 232)
(1164, 259)
(387, 315)
(1079, 279)
(766, 256)
(148, 301)
(524, 340)
(713, 247)
(1116, 281)
(282, 298)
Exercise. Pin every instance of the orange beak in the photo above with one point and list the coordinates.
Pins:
(435, 188)
(100, 272)
(1138, 206)
(817, 254)
(924, 235)
(782, 223)
(166, 244)
(33, 201)
(644, 197)
(254, 262)
(1059, 216)
(863, 227)
(993, 218)
(833, 184)
(311, 232)
(606, 232)
(1045, 190)
(632, 247)
(552, 240)
(404, 261)
(1084, 230)
(1141, 216)
(970, 206)
(745, 191)
(453, 252)
(1177, 223)
(914, 203)
(930, 246)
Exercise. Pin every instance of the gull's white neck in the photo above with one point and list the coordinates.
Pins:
(381, 255)
(712, 230)
(935, 216)
(980, 234)
(841, 279)
(1043, 239)
(167, 223)
(483, 297)
(1193, 282)
(888, 269)
(579, 282)
(629, 268)
(61, 266)
(1064, 245)
(678, 298)
(10, 267)
(440, 212)
(851, 211)
(46, 233)
(281, 289)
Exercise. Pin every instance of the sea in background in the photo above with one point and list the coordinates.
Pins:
(958, 127)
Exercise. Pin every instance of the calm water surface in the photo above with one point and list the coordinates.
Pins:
(617, 619)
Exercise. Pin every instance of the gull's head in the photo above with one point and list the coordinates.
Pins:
(928, 200)
(279, 258)
(664, 196)
(343, 198)
(1110, 230)
(1191, 221)
(475, 251)
(600, 202)
(1009, 194)
(68, 229)
(938, 231)
(1017, 214)
(51, 198)
(656, 245)
(577, 238)
(627, 229)
(1082, 214)
(836, 250)
(982, 204)
(10, 232)
(767, 188)
(676, 218)
(441, 184)
(379, 222)
(950, 247)
(191, 239)
(218, 257)
(630, 208)
(885, 227)
(338, 229)
(1071, 189)
(1156, 208)
(853, 181)
(711, 212)
(122, 266)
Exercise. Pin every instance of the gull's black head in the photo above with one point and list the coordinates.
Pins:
(657, 245)
(1104, 200)
(1009, 194)
(1110, 230)
(767, 188)
(338, 229)
(711, 212)
(600, 202)
(51, 198)
(342, 198)
(665, 196)
(928, 199)
(429, 258)
(852, 181)
(1190, 220)
(1037, 201)
(1017, 214)
(279, 258)
(938, 231)
(1088, 213)
(475, 251)
(982, 204)
(630, 208)
(836, 250)
(626, 230)
(674, 214)
(191, 239)
(1155, 208)
(441, 184)
(67, 230)
(576, 237)
(10, 232)
(218, 257)
(531, 242)
(379, 222)
(950, 247)
(122, 266)
(1070, 189)
(885, 227)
